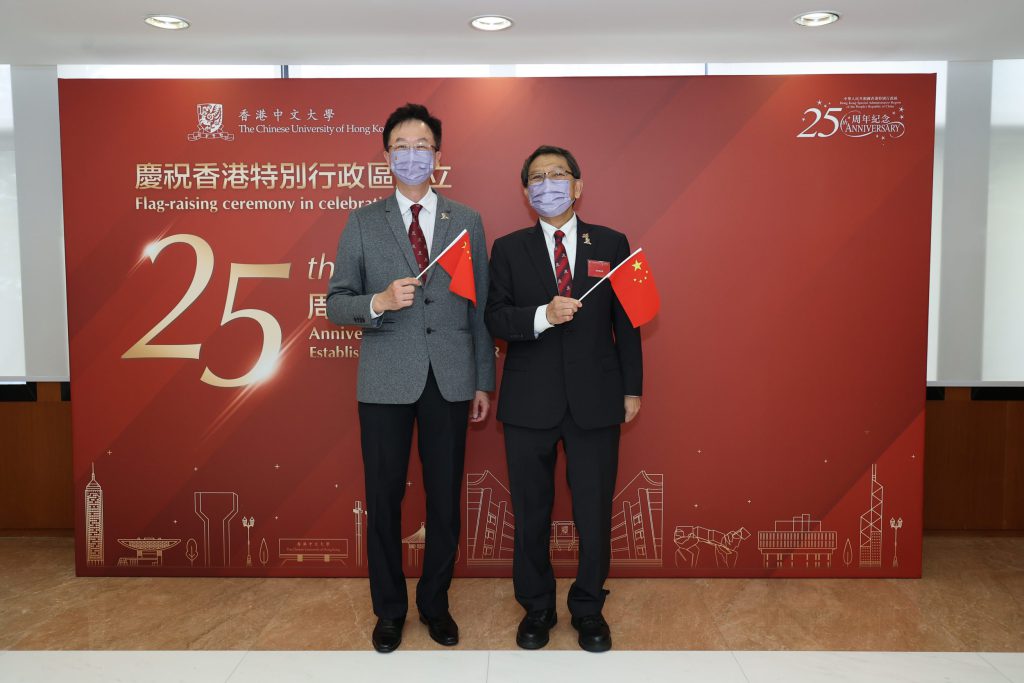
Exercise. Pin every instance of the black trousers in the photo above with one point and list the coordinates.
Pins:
(592, 458)
(386, 434)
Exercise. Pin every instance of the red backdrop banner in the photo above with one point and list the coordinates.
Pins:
(787, 219)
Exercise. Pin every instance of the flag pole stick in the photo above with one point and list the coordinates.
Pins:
(610, 273)
(443, 252)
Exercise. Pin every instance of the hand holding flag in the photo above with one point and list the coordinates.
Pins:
(634, 286)
(457, 261)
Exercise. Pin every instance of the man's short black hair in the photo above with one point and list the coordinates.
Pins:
(574, 167)
(413, 112)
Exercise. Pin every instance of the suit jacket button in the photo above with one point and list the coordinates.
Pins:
(427, 301)
(429, 330)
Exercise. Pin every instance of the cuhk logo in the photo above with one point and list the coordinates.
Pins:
(211, 121)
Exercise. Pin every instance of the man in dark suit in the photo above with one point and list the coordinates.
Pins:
(426, 358)
(573, 373)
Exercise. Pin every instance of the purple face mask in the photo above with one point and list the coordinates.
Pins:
(550, 198)
(412, 166)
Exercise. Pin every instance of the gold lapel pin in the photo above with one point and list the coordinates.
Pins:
(586, 239)
(444, 215)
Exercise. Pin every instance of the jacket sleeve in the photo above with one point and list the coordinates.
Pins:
(505, 320)
(348, 302)
(483, 343)
(627, 337)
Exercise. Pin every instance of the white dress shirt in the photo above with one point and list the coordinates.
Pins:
(427, 215)
(540, 318)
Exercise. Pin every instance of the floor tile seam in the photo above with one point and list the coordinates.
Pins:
(996, 668)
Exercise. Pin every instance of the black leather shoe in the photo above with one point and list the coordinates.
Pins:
(387, 634)
(443, 629)
(595, 636)
(533, 629)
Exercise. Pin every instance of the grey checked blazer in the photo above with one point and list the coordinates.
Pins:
(440, 330)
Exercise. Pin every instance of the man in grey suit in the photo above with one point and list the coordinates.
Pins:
(426, 358)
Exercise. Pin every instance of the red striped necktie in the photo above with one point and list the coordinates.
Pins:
(416, 238)
(563, 275)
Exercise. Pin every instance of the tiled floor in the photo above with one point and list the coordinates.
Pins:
(971, 599)
(511, 667)
(964, 621)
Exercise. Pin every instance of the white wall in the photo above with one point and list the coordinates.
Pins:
(40, 221)
(1003, 352)
(12, 346)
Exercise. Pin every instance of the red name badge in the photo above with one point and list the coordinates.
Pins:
(598, 268)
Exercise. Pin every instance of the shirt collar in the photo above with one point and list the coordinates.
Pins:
(569, 228)
(429, 201)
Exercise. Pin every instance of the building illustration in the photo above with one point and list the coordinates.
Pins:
(490, 524)
(311, 550)
(216, 509)
(565, 543)
(93, 522)
(149, 551)
(358, 511)
(871, 525)
(799, 541)
(414, 543)
(637, 521)
(636, 525)
(690, 540)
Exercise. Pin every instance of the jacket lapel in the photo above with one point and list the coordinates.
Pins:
(394, 219)
(442, 228)
(584, 252)
(537, 250)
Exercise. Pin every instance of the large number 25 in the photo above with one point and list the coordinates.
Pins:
(818, 117)
(204, 270)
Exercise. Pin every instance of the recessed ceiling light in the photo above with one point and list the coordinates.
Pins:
(817, 18)
(166, 21)
(491, 22)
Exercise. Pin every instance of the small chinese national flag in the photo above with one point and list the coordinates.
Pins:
(634, 285)
(457, 261)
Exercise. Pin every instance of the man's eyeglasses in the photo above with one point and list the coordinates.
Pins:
(555, 174)
(405, 146)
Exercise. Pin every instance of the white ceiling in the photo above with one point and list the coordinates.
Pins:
(560, 31)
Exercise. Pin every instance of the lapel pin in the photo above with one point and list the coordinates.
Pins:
(444, 215)
(586, 239)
